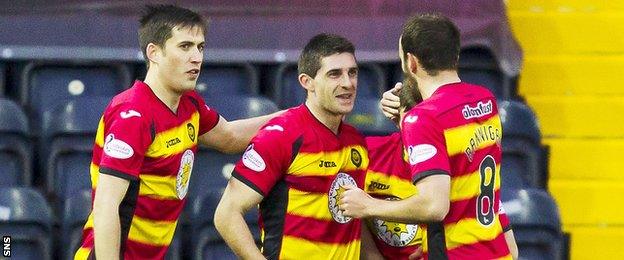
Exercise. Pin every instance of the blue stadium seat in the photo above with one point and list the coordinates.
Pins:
(368, 118)
(240, 107)
(45, 86)
(72, 135)
(27, 218)
(15, 146)
(230, 79)
(288, 92)
(206, 241)
(522, 149)
(2, 79)
(74, 216)
(536, 224)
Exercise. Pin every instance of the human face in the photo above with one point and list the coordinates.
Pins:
(182, 58)
(335, 84)
(408, 76)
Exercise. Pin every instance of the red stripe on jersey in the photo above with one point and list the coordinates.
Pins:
(138, 250)
(468, 208)
(167, 166)
(461, 160)
(340, 233)
(493, 249)
(316, 184)
(157, 209)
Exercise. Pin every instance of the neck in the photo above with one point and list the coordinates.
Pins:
(170, 98)
(330, 120)
(429, 84)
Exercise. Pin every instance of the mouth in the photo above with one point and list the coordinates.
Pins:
(346, 97)
(193, 72)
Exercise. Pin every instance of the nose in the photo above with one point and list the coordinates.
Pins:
(348, 82)
(197, 56)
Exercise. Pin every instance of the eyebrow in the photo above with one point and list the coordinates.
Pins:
(191, 42)
(338, 70)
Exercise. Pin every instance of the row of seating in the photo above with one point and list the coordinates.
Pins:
(28, 219)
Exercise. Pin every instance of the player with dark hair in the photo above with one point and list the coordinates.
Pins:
(146, 142)
(296, 166)
(453, 142)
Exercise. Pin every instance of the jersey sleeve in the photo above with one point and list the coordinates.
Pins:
(208, 117)
(266, 159)
(502, 216)
(127, 136)
(425, 144)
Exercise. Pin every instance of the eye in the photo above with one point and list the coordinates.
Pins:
(334, 74)
(200, 47)
(353, 73)
(185, 46)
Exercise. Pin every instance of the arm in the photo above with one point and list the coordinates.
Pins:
(237, 199)
(511, 243)
(233, 137)
(368, 250)
(429, 205)
(106, 227)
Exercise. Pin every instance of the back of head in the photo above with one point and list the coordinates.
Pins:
(434, 40)
(320, 46)
(158, 21)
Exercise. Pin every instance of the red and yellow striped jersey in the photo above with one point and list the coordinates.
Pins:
(388, 177)
(140, 139)
(299, 166)
(457, 131)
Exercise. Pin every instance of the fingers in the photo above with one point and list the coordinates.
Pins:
(390, 102)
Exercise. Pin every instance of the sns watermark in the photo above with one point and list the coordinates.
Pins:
(6, 246)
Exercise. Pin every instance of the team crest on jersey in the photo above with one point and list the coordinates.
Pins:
(395, 234)
(356, 157)
(184, 173)
(335, 190)
(191, 131)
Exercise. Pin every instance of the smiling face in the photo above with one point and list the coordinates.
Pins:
(334, 87)
(180, 58)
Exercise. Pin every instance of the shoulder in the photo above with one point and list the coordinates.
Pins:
(351, 133)
(283, 129)
(128, 105)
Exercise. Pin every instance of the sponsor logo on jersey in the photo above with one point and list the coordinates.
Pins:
(335, 190)
(191, 131)
(377, 186)
(326, 164)
(173, 142)
(184, 173)
(481, 109)
(128, 114)
(275, 128)
(253, 160)
(395, 234)
(410, 119)
(117, 148)
(421, 153)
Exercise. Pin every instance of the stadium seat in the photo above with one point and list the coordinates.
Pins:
(72, 135)
(27, 218)
(75, 213)
(523, 154)
(233, 79)
(368, 118)
(15, 146)
(240, 107)
(536, 224)
(288, 92)
(2, 79)
(206, 241)
(46, 86)
(211, 172)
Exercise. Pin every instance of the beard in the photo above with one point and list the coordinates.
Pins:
(410, 83)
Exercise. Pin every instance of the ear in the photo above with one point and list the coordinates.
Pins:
(306, 82)
(153, 53)
(412, 63)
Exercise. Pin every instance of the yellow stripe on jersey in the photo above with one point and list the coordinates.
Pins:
(329, 163)
(158, 187)
(482, 135)
(388, 185)
(308, 204)
(82, 253)
(95, 172)
(174, 140)
(297, 248)
(508, 257)
(150, 232)
(99, 135)
(469, 231)
(89, 223)
(467, 186)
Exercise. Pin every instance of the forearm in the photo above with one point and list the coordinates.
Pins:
(415, 209)
(235, 232)
(106, 229)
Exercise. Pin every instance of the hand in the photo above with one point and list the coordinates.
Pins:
(417, 255)
(354, 202)
(390, 102)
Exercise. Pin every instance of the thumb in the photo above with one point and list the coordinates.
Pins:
(397, 87)
(349, 187)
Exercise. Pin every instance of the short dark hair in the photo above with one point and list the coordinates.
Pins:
(320, 46)
(434, 40)
(409, 95)
(158, 21)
